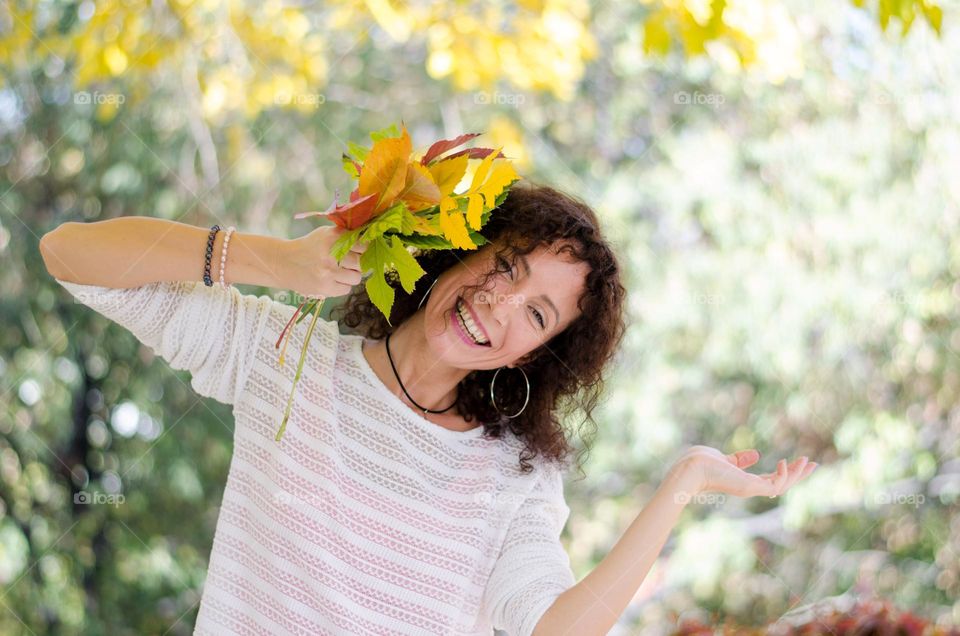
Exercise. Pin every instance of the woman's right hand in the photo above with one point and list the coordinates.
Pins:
(308, 268)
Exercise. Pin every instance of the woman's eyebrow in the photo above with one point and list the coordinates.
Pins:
(546, 299)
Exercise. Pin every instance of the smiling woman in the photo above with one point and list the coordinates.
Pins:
(395, 502)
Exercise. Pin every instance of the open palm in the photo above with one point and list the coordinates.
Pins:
(713, 471)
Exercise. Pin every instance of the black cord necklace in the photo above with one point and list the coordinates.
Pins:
(397, 376)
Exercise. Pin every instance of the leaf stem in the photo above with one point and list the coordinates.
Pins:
(296, 378)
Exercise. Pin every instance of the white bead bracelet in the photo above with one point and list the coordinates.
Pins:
(223, 255)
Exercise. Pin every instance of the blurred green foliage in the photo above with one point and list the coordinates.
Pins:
(781, 187)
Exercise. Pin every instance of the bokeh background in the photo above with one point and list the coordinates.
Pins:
(779, 178)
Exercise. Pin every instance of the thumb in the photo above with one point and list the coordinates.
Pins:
(744, 458)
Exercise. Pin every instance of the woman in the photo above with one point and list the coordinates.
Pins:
(401, 498)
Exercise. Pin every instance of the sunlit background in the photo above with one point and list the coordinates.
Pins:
(779, 178)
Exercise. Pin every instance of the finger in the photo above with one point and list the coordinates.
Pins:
(744, 458)
(350, 261)
(808, 469)
(359, 247)
(349, 277)
(780, 478)
(796, 470)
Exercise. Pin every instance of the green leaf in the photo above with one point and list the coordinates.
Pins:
(423, 242)
(385, 133)
(391, 219)
(349, 167)
(358, 151)
(343, 244)
(477, 238)
(407, 223)
(376, 257)
(408, 269)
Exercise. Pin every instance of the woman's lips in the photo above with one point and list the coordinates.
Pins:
(476, 320)
(460, 331)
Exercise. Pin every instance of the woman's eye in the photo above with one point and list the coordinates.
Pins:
(504, 266)
(539, 317)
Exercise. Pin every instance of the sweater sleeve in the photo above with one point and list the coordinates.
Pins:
(209, 331)
(532, 569)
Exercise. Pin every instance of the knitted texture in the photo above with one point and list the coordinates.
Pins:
(366, 518)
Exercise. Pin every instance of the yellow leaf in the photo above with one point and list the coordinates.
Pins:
(384, 171)
(481, 172)
(423, 226)
(448, 173)
(455, 229)
(475, 210)
(501, 176)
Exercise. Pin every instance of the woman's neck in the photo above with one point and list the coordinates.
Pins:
(432, 383)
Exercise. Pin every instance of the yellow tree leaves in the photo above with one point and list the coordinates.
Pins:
(758, 35)
(249, 56)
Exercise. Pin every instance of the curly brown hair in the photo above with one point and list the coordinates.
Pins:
(566, 372)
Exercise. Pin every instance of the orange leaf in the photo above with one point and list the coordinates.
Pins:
(420, 191)
(384, 171)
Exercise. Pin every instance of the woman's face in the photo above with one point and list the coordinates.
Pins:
(519, 310)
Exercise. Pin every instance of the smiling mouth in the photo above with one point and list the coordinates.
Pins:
(468, 325)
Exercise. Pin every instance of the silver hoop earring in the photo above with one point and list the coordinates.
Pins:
(427, 292)
(527, 399)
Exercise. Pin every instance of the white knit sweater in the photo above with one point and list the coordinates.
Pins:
(366, 518)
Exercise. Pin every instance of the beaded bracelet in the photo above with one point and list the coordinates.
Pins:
(223, 255)
(206, 265)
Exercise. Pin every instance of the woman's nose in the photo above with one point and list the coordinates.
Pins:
(499, 306)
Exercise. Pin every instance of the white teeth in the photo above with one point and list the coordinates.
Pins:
(467, 321)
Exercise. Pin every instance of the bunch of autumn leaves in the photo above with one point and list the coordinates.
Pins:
(402, 201)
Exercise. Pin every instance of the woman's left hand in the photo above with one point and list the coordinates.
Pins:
(706, 469)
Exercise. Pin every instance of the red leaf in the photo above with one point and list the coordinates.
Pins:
(349, 216)
(475, 153)
(440, 147)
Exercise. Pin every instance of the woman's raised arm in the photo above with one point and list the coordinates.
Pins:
(135, 250)
(132, 251)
